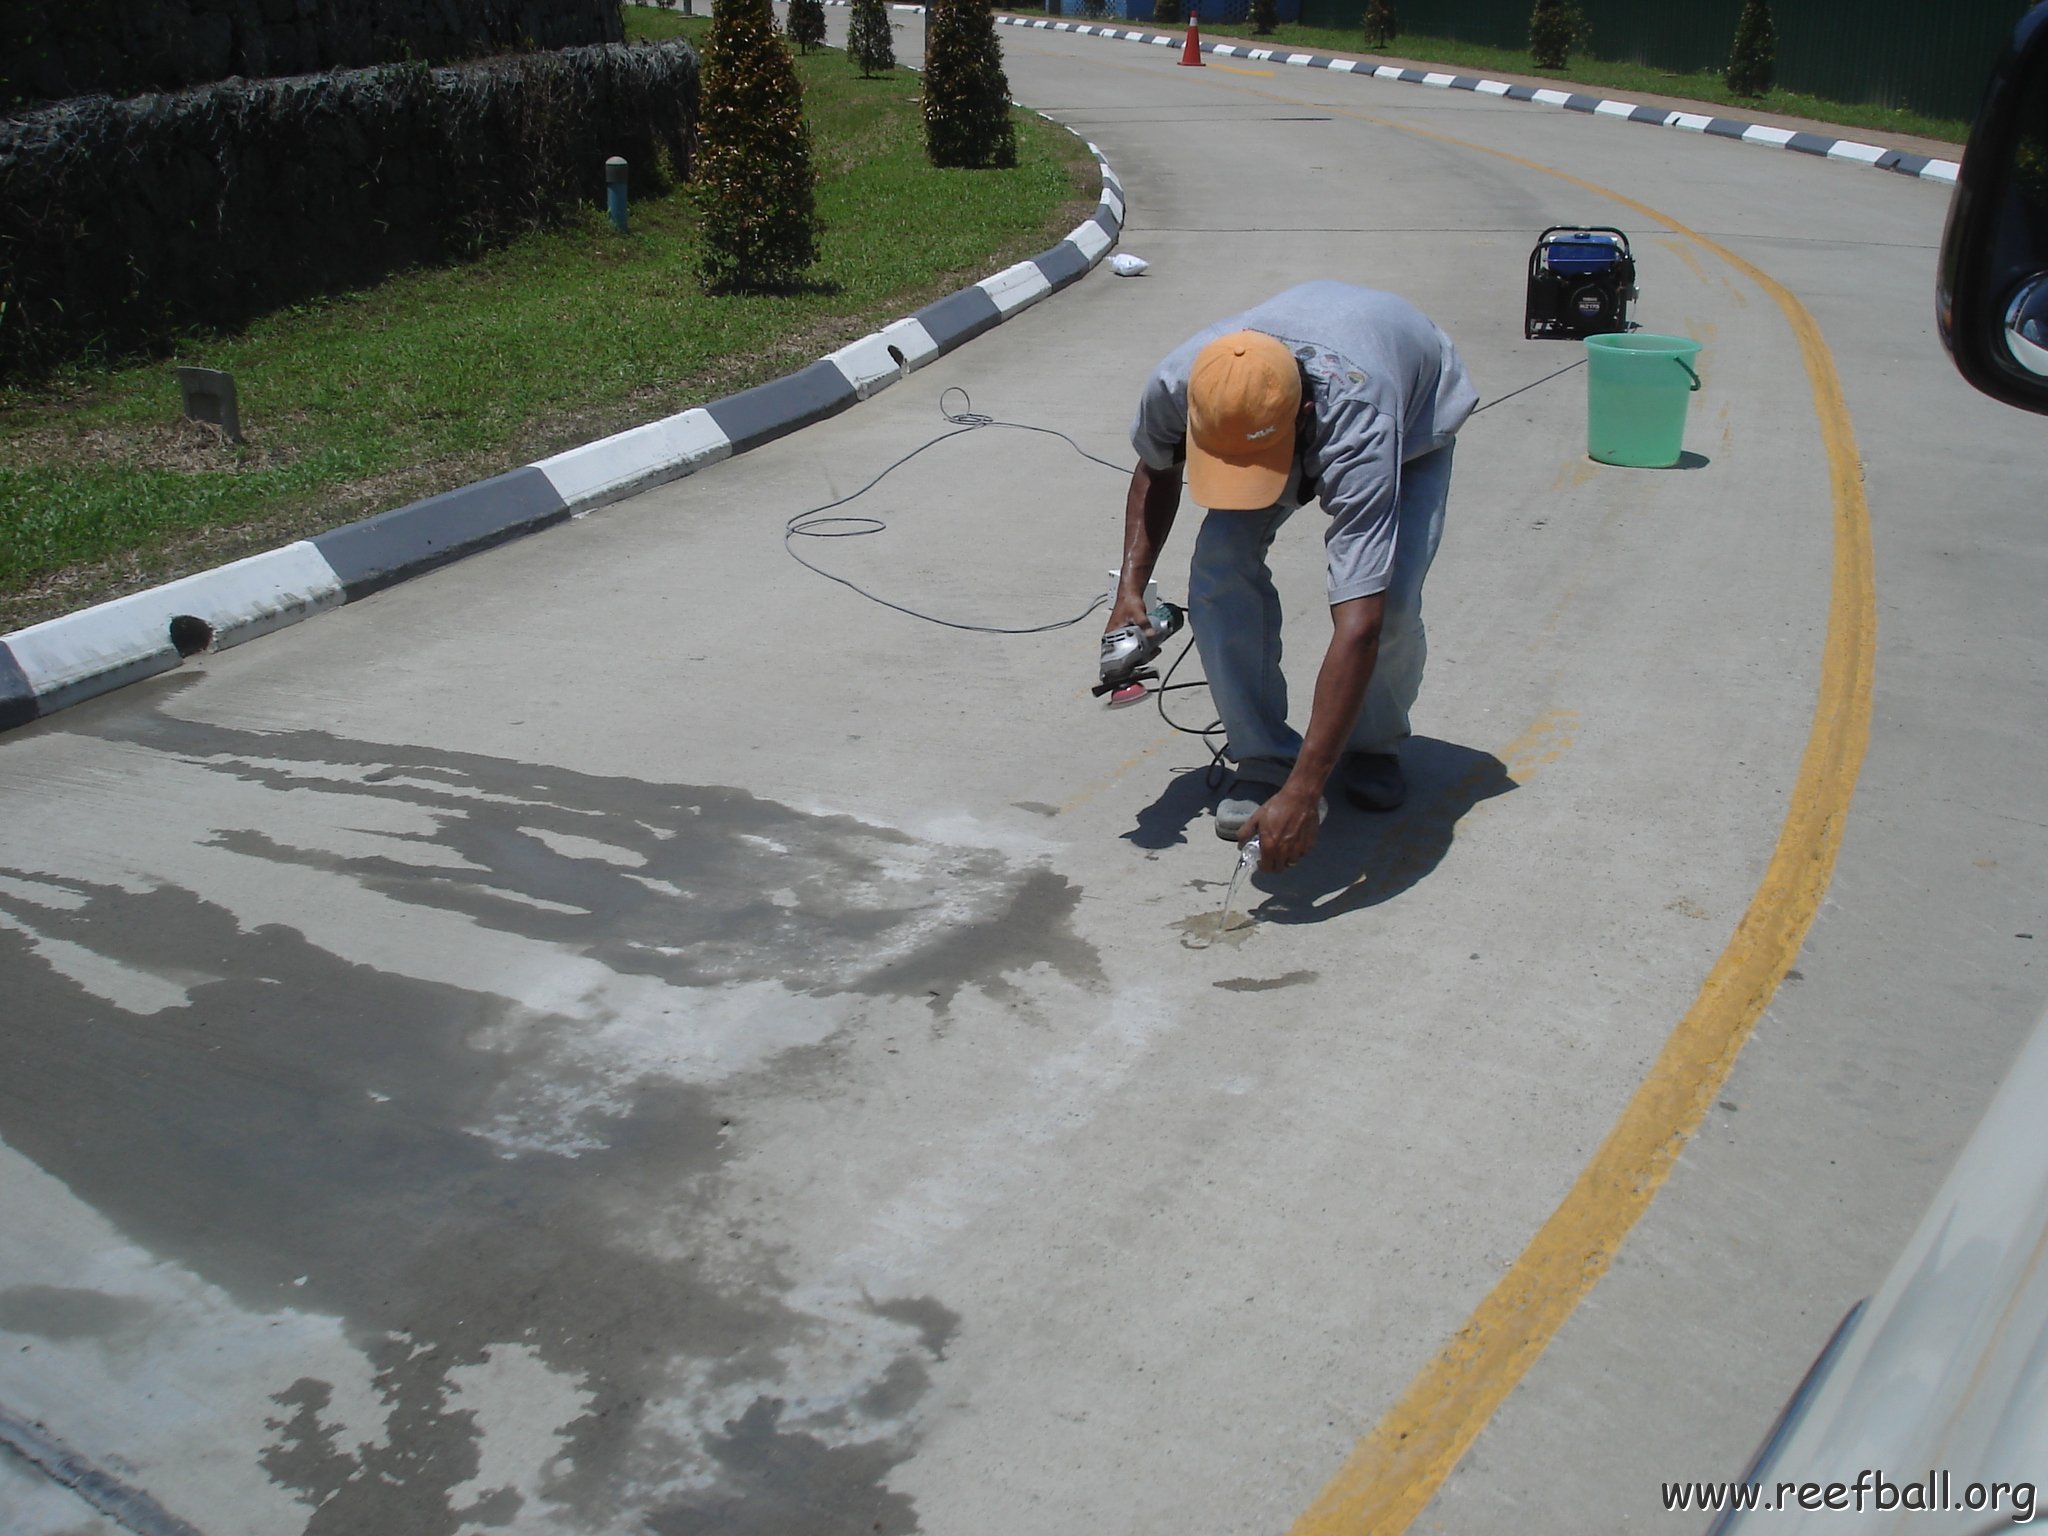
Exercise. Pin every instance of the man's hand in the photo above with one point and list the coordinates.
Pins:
(1286, 827)
(1129, 608)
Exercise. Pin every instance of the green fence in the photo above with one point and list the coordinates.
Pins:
(1931, 58)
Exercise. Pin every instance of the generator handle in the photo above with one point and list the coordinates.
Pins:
(1589, 229)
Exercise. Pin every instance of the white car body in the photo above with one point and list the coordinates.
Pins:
(1938, 1385)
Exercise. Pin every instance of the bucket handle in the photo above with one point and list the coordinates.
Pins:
(1695, 388)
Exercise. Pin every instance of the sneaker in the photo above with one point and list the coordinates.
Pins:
(1373, 781)
(1239, 801)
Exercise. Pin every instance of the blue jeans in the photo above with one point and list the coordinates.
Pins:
(1235, 612)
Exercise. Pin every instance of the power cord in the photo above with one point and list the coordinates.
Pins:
(816, 524)
(1216, 771)
(1497, 399)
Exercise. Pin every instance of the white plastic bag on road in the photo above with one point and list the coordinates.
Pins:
(1124, 264)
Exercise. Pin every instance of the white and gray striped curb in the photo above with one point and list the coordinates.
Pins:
(1922, 166)
(52, 665)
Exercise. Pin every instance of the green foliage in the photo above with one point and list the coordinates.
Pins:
(756, 188)
(1166, 13)
(1264, 18)
(1382, 26)
(807, 23)
(966, 95)
(214, 205)
(1753, 64)
(1620, 77)
(1556, 27)
(444, 375)
(868, 39)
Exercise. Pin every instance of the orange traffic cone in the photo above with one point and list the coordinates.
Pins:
(1191, 50)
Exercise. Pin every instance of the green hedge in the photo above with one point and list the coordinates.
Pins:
(123, 223)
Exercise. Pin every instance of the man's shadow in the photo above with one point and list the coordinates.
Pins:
(1362, 858)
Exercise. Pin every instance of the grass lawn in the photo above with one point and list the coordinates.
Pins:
(1618, 76)
(437, 378)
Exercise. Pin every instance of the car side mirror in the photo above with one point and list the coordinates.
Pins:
(1991, 293)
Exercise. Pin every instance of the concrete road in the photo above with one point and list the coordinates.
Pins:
(624, 1034)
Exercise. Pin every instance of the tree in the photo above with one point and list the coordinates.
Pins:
(756, 189)
(1556, 27)
(966, 95)
(1754, 62)
(1166, 13)
(1264, 18)
(807, 23)
(1382, 26)
(868, 40)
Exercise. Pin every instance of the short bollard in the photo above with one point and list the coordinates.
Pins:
(615, 191)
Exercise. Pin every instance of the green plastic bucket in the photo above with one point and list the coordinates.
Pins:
(1637, 389)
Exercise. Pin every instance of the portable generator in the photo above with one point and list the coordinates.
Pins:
(1581, 280)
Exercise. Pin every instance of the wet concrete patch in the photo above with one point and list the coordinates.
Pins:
(788, 1482)
(935, 1324)
(298, 1135)
(1207, 930)
(695, 884)
(1267, 984)
(59, 1313)
(305, 1131)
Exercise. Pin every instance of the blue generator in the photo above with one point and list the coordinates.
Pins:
(1581, 282)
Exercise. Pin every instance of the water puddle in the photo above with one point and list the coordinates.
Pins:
(1203, 931)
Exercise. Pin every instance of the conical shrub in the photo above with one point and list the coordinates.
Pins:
(1265, 16)
(1166, 13)
(966, 95)
(1753, 63)
(1382, 25)
(757, 217)
(807, 23)
(868, 40)
(1556, 27)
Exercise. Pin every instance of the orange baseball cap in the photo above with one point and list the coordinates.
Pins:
(1243, 394)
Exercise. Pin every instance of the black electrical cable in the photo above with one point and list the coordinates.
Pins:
(1496, 400)
(1208, 732)
(815, 525)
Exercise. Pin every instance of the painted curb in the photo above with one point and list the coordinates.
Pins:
(78, 656)
(1850, 150)
(64, 660)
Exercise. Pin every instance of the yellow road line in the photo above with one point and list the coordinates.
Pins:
(1239, 69)
(1396, 1470)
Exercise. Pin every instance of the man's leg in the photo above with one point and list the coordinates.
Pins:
(1397, 675)
(1236, 616)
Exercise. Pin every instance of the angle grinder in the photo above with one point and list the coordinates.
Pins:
(1127, 653)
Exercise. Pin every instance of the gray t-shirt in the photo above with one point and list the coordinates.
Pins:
(1388, 385)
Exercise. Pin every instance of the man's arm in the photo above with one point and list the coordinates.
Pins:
(1149, 510)
(1286, 825)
